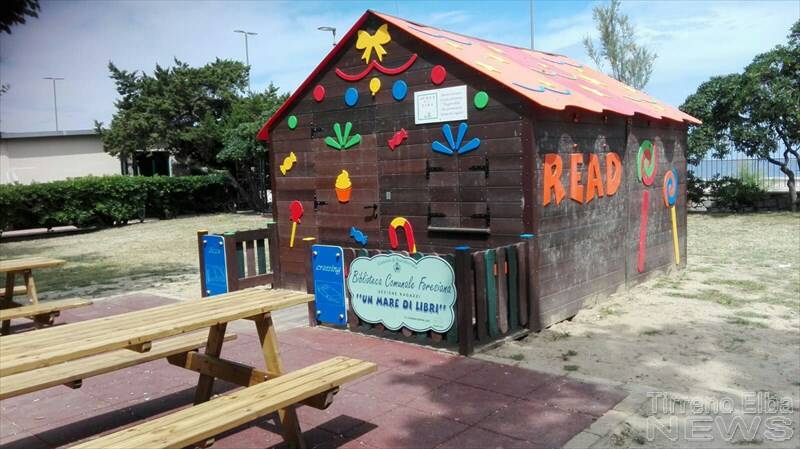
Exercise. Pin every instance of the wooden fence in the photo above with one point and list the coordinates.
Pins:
(248, 254)
(496, 295)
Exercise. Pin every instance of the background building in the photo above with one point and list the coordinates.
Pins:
(49, 156)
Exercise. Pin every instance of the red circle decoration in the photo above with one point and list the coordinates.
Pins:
(319, 93)
(438, 74)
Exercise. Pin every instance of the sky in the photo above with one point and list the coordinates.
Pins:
(75, 40)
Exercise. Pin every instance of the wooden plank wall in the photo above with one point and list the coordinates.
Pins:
(379, 173)
(588, 251)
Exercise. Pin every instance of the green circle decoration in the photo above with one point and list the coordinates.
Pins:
(292, 122)
(481, 100)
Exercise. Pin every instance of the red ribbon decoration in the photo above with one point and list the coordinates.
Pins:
(374, 64)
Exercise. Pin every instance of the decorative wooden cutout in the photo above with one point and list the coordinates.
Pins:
(613, 173)
(406, 225)
(292, 122)
(343, 187)
(480, 100)
(288, 163)
(440, 36)
(399, 90)
(542, 89)
(351, 96)
(343, 141)
(377, 66)
(319, 93)
(594, 184)
(487, 67)
(374, 85)
(643, 232)
(498, 58)
(397, 138)
(646, 163)
(359, 236)
(438, 75)
(670, 192)
(455, 144)
(369, 42)
(553, 167)
(295, 214)
(575, 187)
(670, 188)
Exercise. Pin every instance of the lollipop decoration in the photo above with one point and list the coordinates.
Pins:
(670, 191)
(295, 214)
(646, 173)
(646, 163)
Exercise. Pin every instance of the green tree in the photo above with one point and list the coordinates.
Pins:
(180, 109)
(756, 112)
(201, 115)
(240, 146)
(243, 123)
(15, 11)
(629, 62)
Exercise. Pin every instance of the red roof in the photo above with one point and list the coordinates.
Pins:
(549, 80)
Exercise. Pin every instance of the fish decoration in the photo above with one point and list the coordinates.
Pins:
(357, 235)
(397, 138)
(288, 162)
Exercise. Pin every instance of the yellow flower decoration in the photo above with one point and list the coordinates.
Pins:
(369, 42)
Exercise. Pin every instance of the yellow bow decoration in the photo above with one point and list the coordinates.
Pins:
(368, 42)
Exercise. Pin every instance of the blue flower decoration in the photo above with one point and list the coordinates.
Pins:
(455, 144)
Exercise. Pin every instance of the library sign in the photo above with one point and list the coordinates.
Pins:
(398, 291)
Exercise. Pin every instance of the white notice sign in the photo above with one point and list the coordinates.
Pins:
(440, 105)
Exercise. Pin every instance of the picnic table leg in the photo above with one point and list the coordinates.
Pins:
(205, 385)
(290, 426)
(5, 328)
(33, 298)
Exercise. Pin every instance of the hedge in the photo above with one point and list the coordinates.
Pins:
(111, 200)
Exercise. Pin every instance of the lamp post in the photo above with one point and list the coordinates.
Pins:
(55, 97)
(246, 51)
(332, 30)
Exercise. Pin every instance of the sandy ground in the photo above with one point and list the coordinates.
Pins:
(157, 256)
(724, 331)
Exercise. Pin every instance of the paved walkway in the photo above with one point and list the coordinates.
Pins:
(419, 398)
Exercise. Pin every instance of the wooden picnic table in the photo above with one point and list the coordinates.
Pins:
(24, 267)
(28, 355)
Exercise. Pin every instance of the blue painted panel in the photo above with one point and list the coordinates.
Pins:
(328, 265)
(215, 271)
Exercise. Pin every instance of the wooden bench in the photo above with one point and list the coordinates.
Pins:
(43, 312)
(71, 374)
(206, 420)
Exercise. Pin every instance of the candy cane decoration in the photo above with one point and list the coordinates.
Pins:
(646, 173)
(670, 191)
(396, 223)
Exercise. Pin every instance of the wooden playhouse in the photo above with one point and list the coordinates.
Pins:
(412, 138)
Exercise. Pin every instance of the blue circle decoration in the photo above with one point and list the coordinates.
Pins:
(351, 96)
(399, 90)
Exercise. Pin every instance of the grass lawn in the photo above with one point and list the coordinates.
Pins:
(156, 256)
